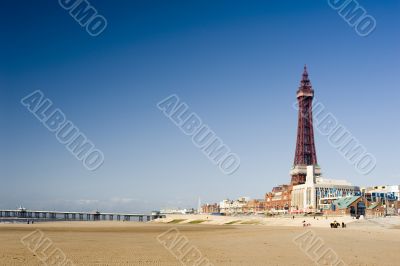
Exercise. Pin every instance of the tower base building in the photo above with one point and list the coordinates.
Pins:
(318, 194)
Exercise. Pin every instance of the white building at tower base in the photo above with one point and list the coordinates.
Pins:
(318, 193)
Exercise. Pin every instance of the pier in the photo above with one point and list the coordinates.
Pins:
(24, 214)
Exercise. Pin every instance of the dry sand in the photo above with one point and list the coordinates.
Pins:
(318, 221)
(367, 242)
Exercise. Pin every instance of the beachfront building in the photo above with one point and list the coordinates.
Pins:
(381, 193)
(318, 194)
(254, 206)
(279, 199)
(358, 205)
(382, 197)
(376, 209)
(351, 205)
(210, 208)
(229, 207)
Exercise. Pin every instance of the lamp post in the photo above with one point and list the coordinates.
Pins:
(386, 204)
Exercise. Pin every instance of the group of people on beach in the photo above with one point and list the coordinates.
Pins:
(336, 224)
(306, 224)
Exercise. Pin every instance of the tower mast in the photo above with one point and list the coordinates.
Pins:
(305, 153)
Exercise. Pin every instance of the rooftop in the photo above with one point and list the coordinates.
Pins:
(345, 202)
(321, 180)
(373, 205)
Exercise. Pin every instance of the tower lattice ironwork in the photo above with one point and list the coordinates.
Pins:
(305, 147)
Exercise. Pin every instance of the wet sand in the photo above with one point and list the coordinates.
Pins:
(129, 243)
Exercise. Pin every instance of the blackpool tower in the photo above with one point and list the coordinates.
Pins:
(305, 147)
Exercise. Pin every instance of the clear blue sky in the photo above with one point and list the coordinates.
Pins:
(237, 64)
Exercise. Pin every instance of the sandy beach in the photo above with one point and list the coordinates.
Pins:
(365, 242)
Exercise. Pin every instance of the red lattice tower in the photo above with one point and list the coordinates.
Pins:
(305, 147)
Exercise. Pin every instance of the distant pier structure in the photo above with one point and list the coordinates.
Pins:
(24, 214)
